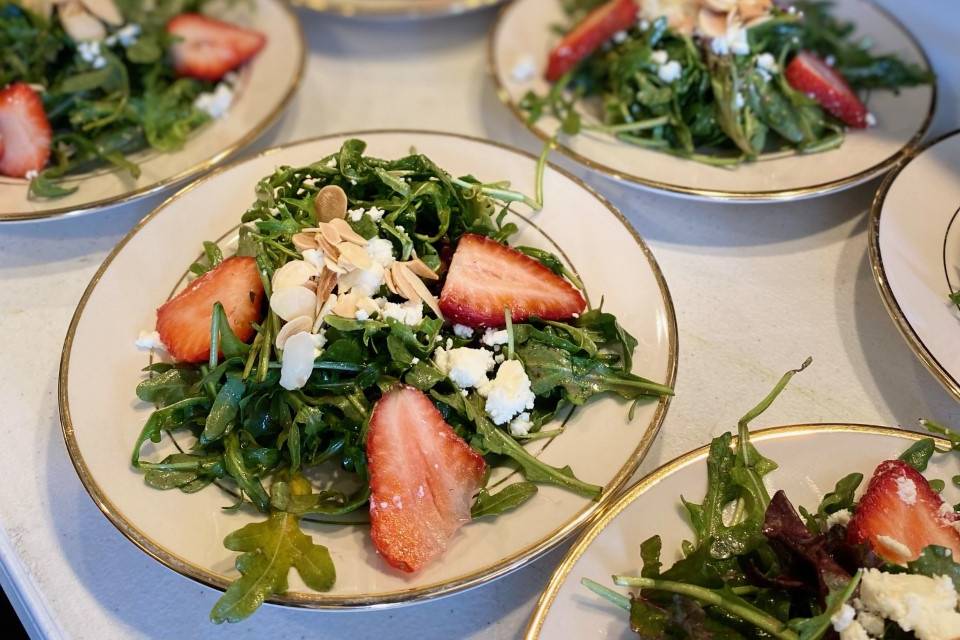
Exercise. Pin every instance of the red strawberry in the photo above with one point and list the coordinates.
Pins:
(184, 321)
(486, 276)
(24, 130)
(422, 479)
(209, 48)
(811, 75)
(595, 29)
(901, 512)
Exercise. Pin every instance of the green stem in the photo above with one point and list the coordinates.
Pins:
(609, 595)
(744, 611)
(508, 318)
(504, 195)
(541, 169)
(628, 127)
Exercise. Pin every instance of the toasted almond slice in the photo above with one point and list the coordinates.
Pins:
(304, 241)
(720, 6)
(106, 10)
(330, 203)
(420, 268)
(79, 23)
(325, 285)
(404, 288)
(403, 273)
(329, 248)
(324, 310)
(712, 24)
(347, 232)
(333, 266)
(390, 282)
(293, 302)
(753, 9)
(295, 273)
(298, 324)
(354, 255)
(346, 306)
(330, 233)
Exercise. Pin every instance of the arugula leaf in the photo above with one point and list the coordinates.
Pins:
(936, 561)
(224, 411)
(271, 549)
(816, 627)
(507, 499)
(842, 497)
(919, 454)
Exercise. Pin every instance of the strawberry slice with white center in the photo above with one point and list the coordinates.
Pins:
(810, 75)
(900, 515)
(486, 276)
(422, 479)
(184, 321)
(596, 28)
(25, 132)
(207, 48)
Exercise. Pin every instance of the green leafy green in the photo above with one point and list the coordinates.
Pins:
(919, 454)
(507, 499)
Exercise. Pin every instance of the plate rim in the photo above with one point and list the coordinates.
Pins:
(604, 517)
(890, 303)
(768, 196)
(403, 596)
(398, 10)
(146, 190)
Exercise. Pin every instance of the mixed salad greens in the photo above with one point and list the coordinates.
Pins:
(108, 80)
(878, 566)
(716, 81)
(265, 417)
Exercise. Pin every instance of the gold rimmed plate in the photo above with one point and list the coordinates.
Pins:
(263, 88)
(611, 543)
(915, 254)
(396, 9)
(517, 50)
(100, 368)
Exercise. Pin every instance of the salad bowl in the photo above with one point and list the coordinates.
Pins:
(915, 254)
(600, 443)
(590, 131)
(611, 543)
(396, 9)
(241, 106)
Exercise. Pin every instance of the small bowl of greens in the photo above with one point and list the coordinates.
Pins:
(796, 532)
(719, 99)
(103, 101)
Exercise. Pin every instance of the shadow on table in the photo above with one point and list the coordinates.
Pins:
(147, 600)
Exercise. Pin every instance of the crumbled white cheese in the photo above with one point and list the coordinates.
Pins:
(366, 308)
(126, 35)
(871, 120)
(871, 623)
(738, 100)
(830, 60)
(215, 103)
(894, 546)
(906, 490)
(366, 282)
(524, 70)
(670, 71)
(841, 517)
(464, 366)
(854, 631)
(643, 25)
(148, 340)
(733, 41)
(314, 257)
(843, 618)
(508, 393)
(521, 425)
(89, 51)
(31, 174)
(299, 353)
(766, 61)
(409, 313)
(499, 358)
(463, 331)
(356, 214)
(620, 37)
(493, 337)
(659, 57)
(380, 251)
(924, 605)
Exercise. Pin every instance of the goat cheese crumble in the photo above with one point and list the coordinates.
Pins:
(215, 103)
(464, 366)
(508, 394)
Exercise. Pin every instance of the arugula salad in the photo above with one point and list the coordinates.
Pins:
(716, 81)
(86, 83)
(379, 348)
(879, 566)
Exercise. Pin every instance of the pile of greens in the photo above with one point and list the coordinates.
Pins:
(724, 109)
(757, 568)
(101, 115)
(250, 432)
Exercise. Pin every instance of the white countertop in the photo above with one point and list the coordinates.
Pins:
(757, 288)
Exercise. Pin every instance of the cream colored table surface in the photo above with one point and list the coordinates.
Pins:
(756, 288)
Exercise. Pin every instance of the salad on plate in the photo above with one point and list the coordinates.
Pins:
(379, 348)
(872, 564)
(718, 81)
(87, 84)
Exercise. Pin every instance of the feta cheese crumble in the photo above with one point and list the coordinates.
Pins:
(148, 340)
(843, 618)
(409, 313)
(126, 35)
(524, 70)
(620, 37)
(906, 490)
(508, 394)
(464, 366)
(215, 103)
(659, 57)
(493, 337)
(462, 331)
(670, 71)
(924, 605)
(89, 52)
(733, 41)
(841, 517)
(871, 120)
(521, 425)
(31, 174)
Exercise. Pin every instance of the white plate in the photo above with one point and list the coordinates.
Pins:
(915, 253)
(522, 33)
(611, 544)
(100, 368)
(396, 9)
(265, 87)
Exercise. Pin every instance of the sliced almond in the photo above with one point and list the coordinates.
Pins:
(329, 249)
(390, 282)
(712, 24)
(295, 273)
(346, 306)
(106, 10)
(79, 23)
(420, 268)
(721, 6)
(403, 273)
(330, 203)
(333, 266)
(325, 285)
(293, 302)
(304, 241)
(347, 233)
(354, 255)
(751, 9)
(400, 280)
(298, 324)
(324, 310)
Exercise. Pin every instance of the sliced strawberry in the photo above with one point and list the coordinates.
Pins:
(24, 130)
(422, 479)
(596, 28)
(184, 321)
(486, 276)
(209, 48)
(811, 75)
(900, 512)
